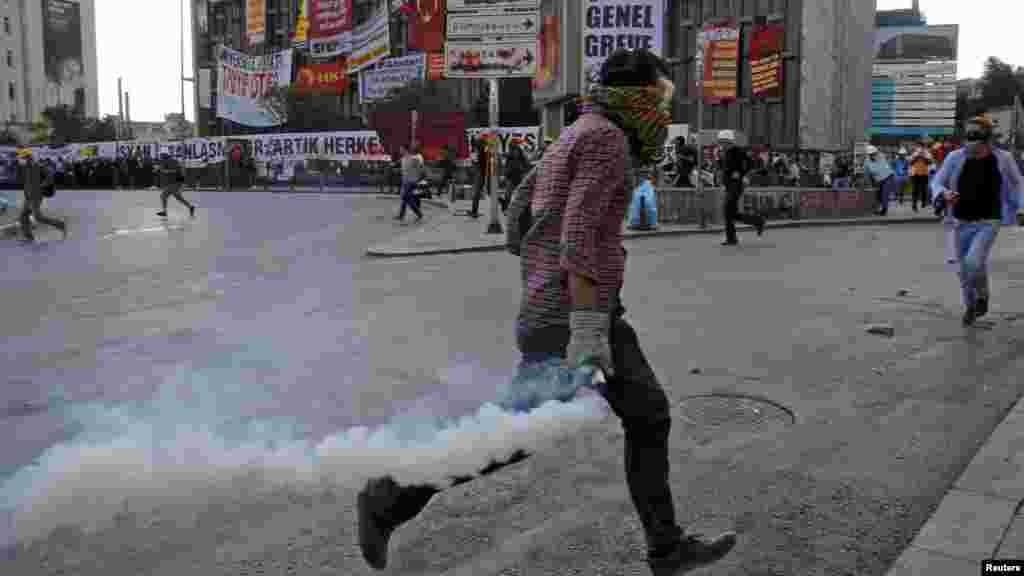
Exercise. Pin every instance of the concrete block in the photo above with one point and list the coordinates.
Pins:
(966, 525)
(918, 562)
(998, 468)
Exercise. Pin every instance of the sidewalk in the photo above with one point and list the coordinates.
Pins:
(449, 233)
(981, 517)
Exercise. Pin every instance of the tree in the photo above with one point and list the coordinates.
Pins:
(1000, 84)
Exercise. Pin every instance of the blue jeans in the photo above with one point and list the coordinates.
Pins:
(974, 242)
(409, 199)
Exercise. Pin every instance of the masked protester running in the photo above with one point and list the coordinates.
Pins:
(172, 178)
(983, 187)
(573, 263)
(735, 166)
(35, 180)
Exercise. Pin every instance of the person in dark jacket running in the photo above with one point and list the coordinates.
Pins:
(172, 176)
(735, 166)
(516, 167)
(34, 181)
(573, 266)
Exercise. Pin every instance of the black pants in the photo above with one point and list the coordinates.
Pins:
(733, 193)
(410, 199)
(481, 185)
(33, 205)
(883, 196)
(175, 191)
(919, 186)
(637, 398)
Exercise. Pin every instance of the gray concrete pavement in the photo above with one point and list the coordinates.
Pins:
(883, 426)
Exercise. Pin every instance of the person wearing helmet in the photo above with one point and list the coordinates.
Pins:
(573, 264)
(878, 169)
(983, 187)
(172, 176)
(32, 207)
(735, 164)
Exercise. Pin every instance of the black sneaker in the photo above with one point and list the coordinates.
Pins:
(376, 501)
(731, 243)
(162, 214)
(980, 307)
(692, 552)
(192, 211)
(760, 226)
(970, 315)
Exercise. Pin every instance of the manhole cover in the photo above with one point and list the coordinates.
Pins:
(714, 415)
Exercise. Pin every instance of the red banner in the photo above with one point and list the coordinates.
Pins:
(548, 69)
(330, 27)
(426, 25)
(766, 47)
(329, 78)
(721, 43)
(437, 130)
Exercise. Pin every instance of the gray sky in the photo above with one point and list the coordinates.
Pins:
(139, 41)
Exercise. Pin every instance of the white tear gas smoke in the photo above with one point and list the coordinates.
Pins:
(189, 438)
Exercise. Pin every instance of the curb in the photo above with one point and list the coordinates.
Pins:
(381, 253)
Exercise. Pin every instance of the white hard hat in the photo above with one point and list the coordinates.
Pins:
(727, 136)
(871, 149)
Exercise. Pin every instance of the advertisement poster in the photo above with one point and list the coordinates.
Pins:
(766, 47)
(330, 27)
(370, 41)
(550, 45)
(325, 78)
(612, 24)
(426, 26)
(391, 74)
(243, 81)
(512, 59)
(721, 61)
(301, 33)
(62, 52)
(255, 21)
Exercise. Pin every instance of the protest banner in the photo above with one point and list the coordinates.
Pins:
(370, 41)
(245, 80)
(612, 24)
(437, 130)
(390, 74)
(330, 28)
(766, 46)
(529, 135)
(255, 21)
(721, 41)
(426, 26)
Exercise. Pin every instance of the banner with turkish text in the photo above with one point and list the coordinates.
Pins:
(391, 74)
(325, 78)
(330, 27)
(244, 81)
(255, 21)
(370, 41)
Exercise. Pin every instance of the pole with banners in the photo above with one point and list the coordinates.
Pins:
(494, 226)
(699, 76)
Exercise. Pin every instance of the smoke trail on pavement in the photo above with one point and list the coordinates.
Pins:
(191, 438)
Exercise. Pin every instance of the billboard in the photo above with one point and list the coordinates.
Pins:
(330, 27)
(62, 51)
(391, 74)
(921, 43)
(719, 66)
(244, 81)
(766, 47)
(912, 99)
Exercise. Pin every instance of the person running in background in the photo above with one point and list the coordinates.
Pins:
(876, 168)
(32, 208)
(171, 177)
(412, 170)
(735, 165)
(573, 264)
(516, 167)
(983, 188)
(920, 162)
(483, 166)
(447, 171)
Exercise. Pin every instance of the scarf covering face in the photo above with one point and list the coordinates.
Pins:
(641, 111)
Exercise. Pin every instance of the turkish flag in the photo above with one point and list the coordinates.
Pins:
(426, 24)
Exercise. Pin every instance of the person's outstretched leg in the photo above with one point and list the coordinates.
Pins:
(176, 192)
(163, 202)
(636, 396)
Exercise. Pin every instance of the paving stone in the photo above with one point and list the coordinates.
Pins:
(998, 468)
(918, 562)
(966, 525)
